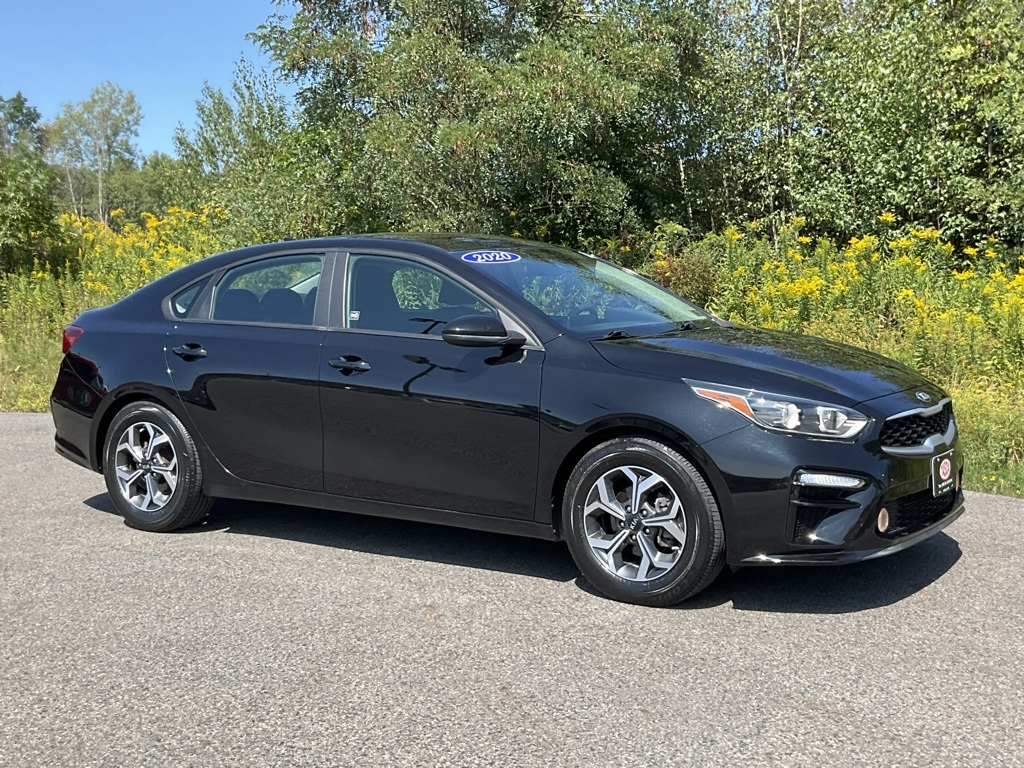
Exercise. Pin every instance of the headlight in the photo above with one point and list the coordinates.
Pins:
(791, 415)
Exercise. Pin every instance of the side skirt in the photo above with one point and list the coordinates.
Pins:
(236, 488)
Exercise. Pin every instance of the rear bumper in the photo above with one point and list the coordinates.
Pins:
(73, 436)
(72, 405)
(70, 452)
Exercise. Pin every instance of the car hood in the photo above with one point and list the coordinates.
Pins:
(773, 361)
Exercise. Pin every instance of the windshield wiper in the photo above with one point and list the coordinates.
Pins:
(683, 325)
(616, 334)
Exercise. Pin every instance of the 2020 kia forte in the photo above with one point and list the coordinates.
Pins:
(504, 385)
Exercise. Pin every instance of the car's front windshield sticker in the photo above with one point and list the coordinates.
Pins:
(490, 257)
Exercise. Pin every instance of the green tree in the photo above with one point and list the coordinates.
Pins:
(839, 111)
(570, 120)
(248, 154)
(97, 133)
(152, 186)
(65, 151)
(547, 118)
(19, 125)
(26, 207)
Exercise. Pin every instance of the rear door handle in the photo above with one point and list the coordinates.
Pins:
(191, 351)
(349, 364)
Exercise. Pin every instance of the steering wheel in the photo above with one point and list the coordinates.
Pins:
(586, 310)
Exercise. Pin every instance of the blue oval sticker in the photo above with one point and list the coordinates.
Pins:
(490, 257)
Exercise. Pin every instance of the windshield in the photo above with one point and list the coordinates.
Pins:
(587, 295)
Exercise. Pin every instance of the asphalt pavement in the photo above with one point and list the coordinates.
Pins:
(276, 636)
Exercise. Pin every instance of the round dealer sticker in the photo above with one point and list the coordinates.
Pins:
(945, 469)
(490, 257)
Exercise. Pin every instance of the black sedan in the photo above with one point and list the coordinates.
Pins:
(509, 386)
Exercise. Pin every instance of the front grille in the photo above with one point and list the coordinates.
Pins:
(912, 430)
(916, 511)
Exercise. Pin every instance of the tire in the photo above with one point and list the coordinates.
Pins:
(669, 543)
(146, 446)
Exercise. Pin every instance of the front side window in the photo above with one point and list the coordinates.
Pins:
(280, 290)
(588, 295)
(390, 294)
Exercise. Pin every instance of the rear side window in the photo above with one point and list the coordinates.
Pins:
(183, 302)
(279, 291)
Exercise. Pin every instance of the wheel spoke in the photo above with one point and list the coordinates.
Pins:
(156, 440)
(642, 487)
(606, 500)
(609, 549)
(151, 488)
(673, 529)
(648, 557)
(674, 511)
(611, 545)
(146, 499)
(126, 477)
(169, 476)
(134, 450)
(601, 506)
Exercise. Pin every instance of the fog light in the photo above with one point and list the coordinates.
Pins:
(828, 480)
(883, 520)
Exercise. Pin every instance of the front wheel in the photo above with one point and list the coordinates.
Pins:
(641, 523)
(152, 469)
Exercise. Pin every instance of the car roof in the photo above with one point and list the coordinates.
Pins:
(424, 244)
(453, 243)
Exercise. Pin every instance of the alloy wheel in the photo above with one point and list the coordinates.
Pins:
(634, 523)
(146, 467)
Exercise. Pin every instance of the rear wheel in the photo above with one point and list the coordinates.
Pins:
(641, 523)
(152, 469)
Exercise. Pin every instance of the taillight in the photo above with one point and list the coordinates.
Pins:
(70, 336)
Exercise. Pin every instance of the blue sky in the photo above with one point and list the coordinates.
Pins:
(55, 51)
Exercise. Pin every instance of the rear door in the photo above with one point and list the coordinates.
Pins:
(245, 365)
(411, 419)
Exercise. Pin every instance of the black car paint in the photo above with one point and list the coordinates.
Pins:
(480, 437)
(421, 423)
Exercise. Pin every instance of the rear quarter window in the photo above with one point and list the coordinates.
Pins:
(182, 302)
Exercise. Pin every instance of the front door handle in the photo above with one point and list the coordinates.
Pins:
(349, 364)
(190, 351)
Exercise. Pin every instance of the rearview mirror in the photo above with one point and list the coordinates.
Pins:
(480, 331)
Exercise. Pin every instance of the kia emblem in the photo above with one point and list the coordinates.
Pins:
(924, 397)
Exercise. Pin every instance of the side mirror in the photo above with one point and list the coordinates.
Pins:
(480, 331)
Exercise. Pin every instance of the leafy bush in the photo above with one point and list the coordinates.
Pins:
(93, 265)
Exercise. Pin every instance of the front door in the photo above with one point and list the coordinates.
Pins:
(411, 419)
(247, 375)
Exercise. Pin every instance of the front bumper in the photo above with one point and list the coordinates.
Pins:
(769, 520)
(859, 555)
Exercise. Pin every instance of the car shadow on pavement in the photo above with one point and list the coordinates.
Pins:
(787, 589)
(833, 589)
(384, 536)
